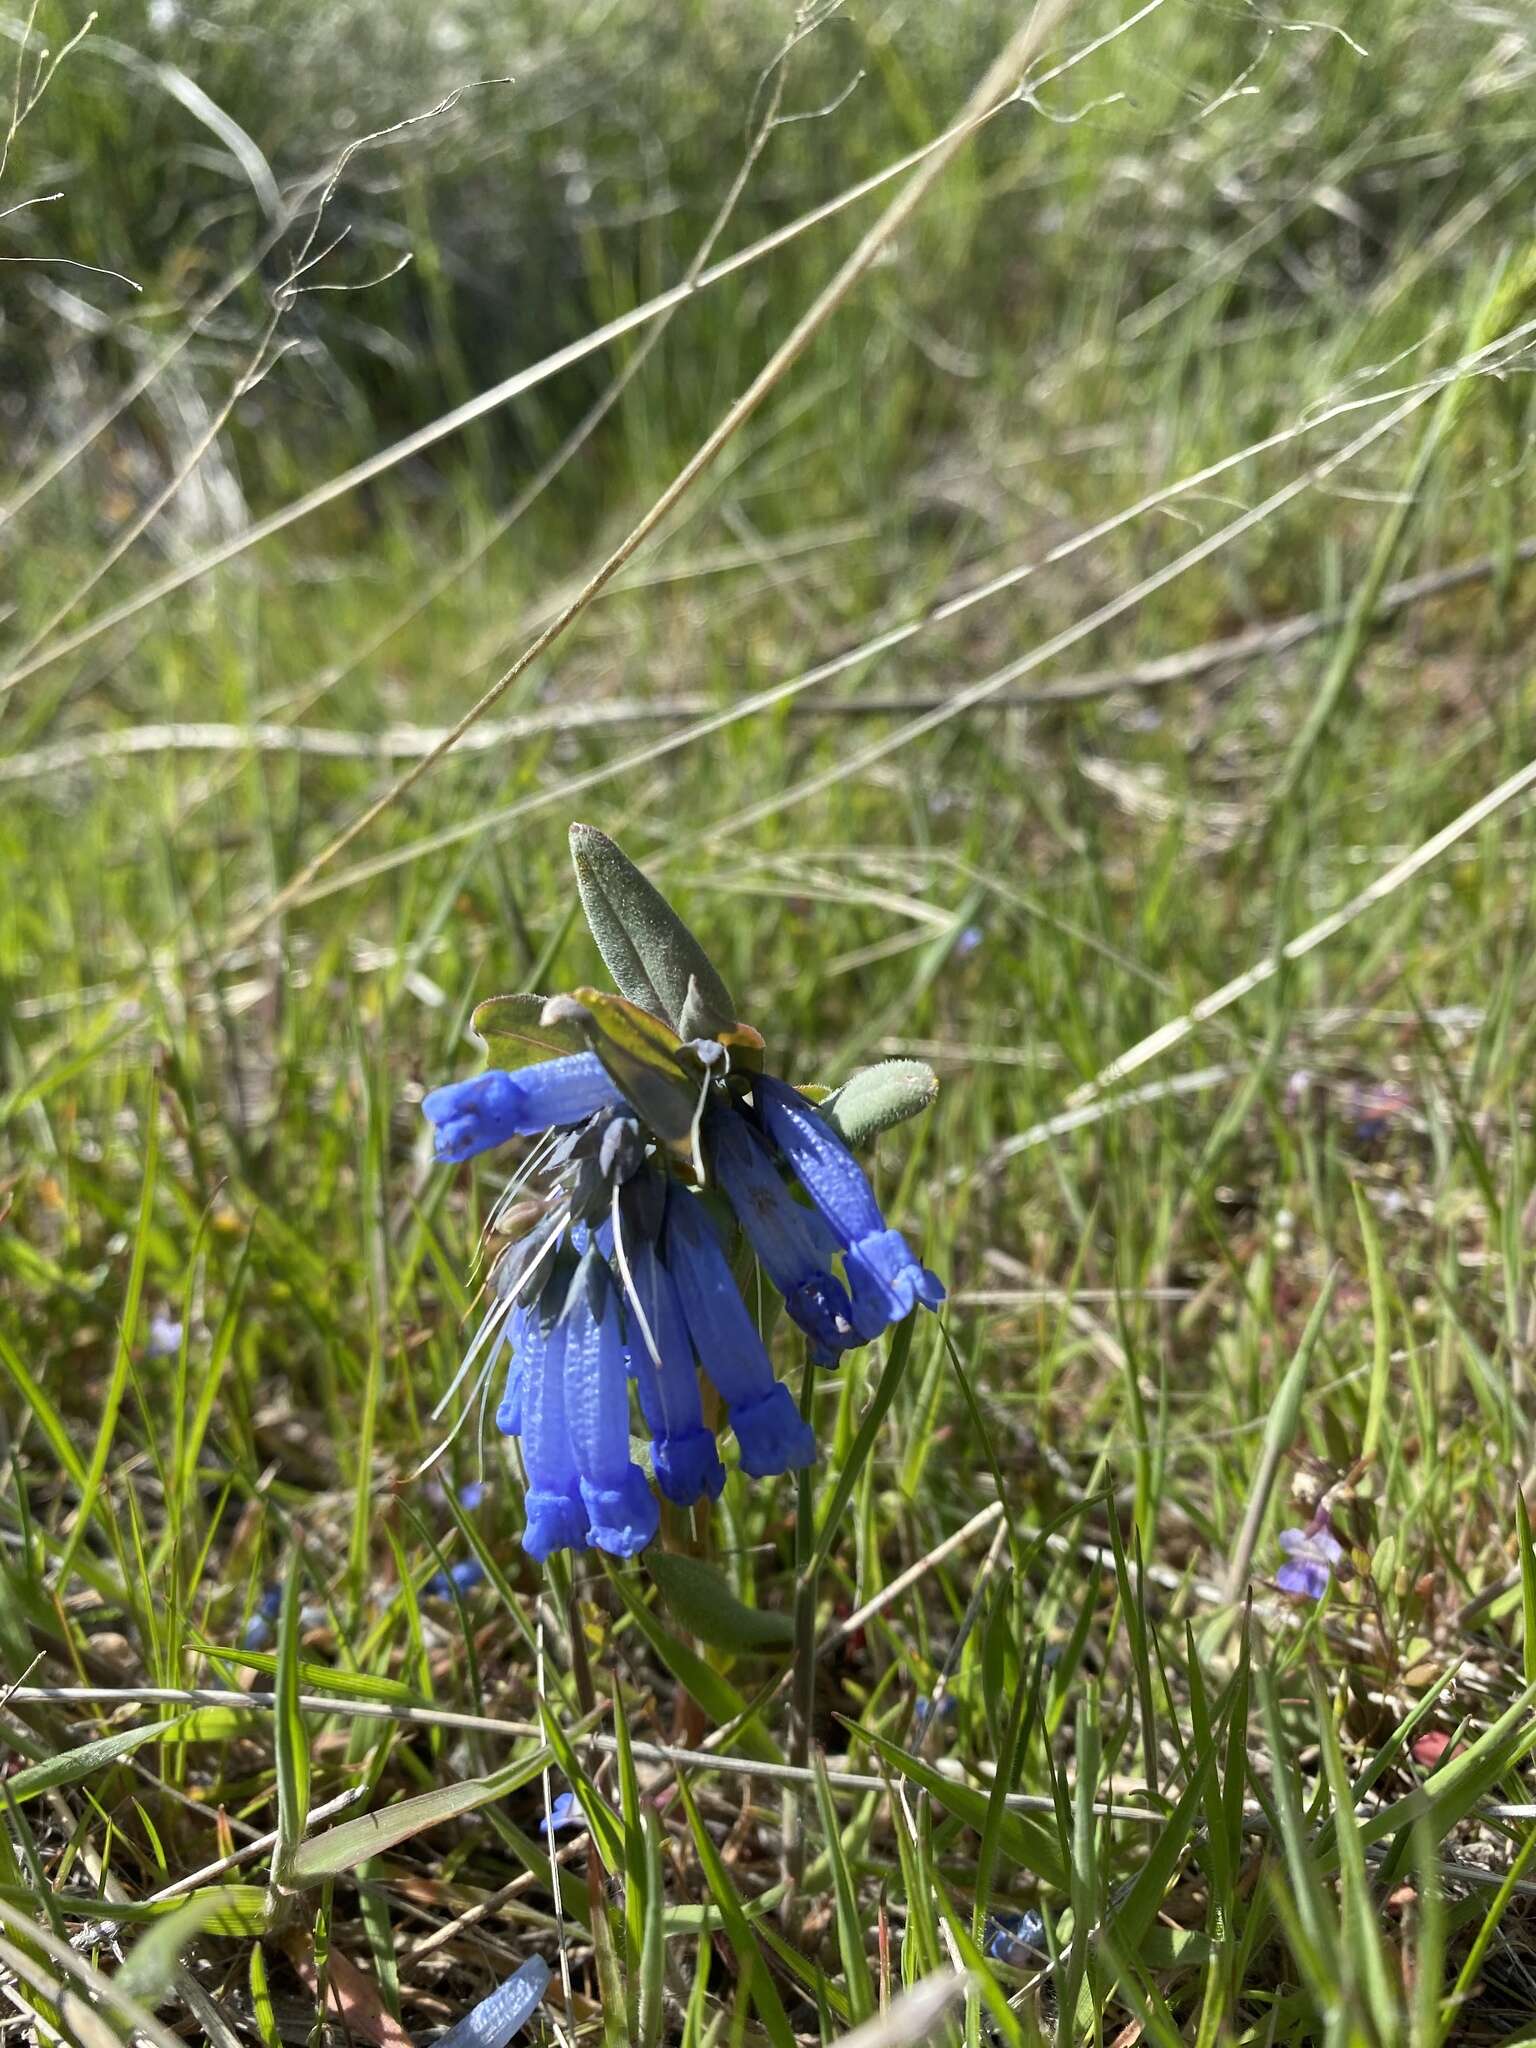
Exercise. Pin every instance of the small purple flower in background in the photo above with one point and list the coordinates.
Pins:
(164, 1336)
(924, 1710)
(626, 1271)
(1375, 1108)
(1311, 1556)
(969, 942)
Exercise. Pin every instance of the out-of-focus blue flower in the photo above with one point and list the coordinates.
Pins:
(1017, 1939)
(257, 1633)
(968, 941)
(473, 1116)
(793, 1243)
(770, 1433)
(472, 1496)
(1311, 1555)
(464, 1576)
(924, 1710)
(885, 1280)
(565, 1815)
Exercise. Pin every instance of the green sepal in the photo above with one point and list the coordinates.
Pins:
(514, 1034)
(877, 1098)
(639, 1052)
(699, 1599)
(654, 959)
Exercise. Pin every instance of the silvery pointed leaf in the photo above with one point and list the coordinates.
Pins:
(646, 947)
(875, 1098)
(493, 2022)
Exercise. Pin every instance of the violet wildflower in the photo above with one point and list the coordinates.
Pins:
(1311, 1556)
(625, 1273)
(164, 1336)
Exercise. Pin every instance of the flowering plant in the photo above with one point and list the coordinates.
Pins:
(661, 1141)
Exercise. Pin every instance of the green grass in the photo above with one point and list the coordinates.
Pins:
(1287, 1261)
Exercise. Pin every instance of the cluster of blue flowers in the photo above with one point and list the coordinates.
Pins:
(627, 1276)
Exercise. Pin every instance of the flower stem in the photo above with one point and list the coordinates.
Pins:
(803, 1695)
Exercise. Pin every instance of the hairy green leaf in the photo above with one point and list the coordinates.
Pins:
(877, 1098)
(646, 947)
(699, 1599)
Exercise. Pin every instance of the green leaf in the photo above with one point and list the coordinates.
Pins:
(1381, 1327)
(354, 1841)
(646, 947)
(290, 1736)
(1144, 1900)
(877, 1098)
(264, 2017)
(1527, 1585)
(353, 1685)
(850, 1919)
(515, 1036)
(719, 1699)
(1023, 1840)
(1026, 1702)
(117, 1385)
(84, 1762)
(699, 1598)
(640, 1055)
(234, 1911)
(864, 1442)
(738, 1931)
(650, 2006)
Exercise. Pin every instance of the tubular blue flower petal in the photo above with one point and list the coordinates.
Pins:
(620, 1506)
(822, 1163)
(769, 1428)
(557, 1517)
(793, 1243)
(773, 1436)
(509, 1412)
(472, 1116)
(886, 1282)
(683, 1453)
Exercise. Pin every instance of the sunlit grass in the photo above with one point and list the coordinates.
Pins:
(1292, 1274)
